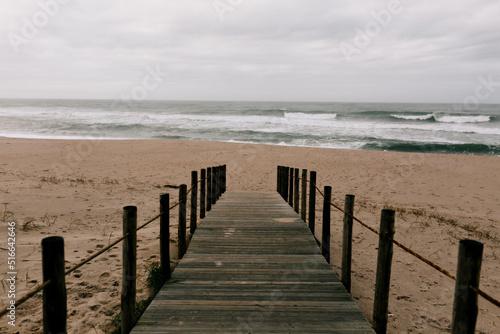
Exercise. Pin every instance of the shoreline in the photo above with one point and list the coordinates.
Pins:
(97, 139)
(452, 197)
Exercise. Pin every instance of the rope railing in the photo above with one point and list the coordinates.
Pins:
(397, 243)
(412, 252)
(285, 187)
(445, 272)
(27, 296)
(194, 185)
(42, 286)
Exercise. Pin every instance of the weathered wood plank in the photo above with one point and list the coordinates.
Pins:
(253, 266)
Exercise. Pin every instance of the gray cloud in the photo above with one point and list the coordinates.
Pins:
(430, 51)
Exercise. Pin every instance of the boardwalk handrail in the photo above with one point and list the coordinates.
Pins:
(286, 191)
(218, 178)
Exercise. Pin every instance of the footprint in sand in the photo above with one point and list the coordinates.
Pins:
(85, 294)
(104, 277)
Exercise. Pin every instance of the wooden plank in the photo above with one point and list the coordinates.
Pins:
(253, 266)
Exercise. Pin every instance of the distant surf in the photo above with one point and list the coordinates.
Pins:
(446, 118)
(429, 128)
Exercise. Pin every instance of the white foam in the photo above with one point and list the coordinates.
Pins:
(462, 119)
(414, 117)
(301, 115)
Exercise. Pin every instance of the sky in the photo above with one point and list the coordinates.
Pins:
(252, 50)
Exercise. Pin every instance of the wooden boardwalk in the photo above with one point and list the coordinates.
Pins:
(253, 267)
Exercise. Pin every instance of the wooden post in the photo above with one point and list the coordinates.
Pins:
(312, 201)
(347, 242)
(283, 181)
(296, 186)
(219, 189)
(54, 295)
(182, 220)
(383, 278)
(194, 202)
(129, 268)
(217, 185)
(281, 173)
(165, 235)
(220, 181)
(214, 184)
(465, 307)
(303, 196)
(219, 177)
(290, 185)
(285, 186)
(325, 239)
(202, 193)
(224, 178)
(209, 188)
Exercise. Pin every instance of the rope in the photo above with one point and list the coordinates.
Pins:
(90, 258)
(26, 297)
(421, 258)
(418, 256)
(149, 221)
(486, 296)
(190, 189)
(173, 206)
(80, 264)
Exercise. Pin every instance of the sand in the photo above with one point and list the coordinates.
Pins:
(77, 189)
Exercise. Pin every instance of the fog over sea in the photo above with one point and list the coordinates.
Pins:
(403, 127)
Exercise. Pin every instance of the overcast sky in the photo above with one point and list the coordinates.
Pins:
(282, 50)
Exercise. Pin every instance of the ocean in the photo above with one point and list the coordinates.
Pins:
(403, 127)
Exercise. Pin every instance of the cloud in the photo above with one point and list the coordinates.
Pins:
(261, 50)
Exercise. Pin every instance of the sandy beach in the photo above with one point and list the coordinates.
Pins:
(77, 189)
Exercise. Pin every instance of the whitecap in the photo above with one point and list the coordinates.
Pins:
(462, 119)
(301, 115)
(414, 117)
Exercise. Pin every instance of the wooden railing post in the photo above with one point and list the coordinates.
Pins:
(347, 242)
(282, 183)
(194, 202)
(284, 179)
(465, 306)
(285, 185)
(303, 196)
(54, 294)
(165, 235)
(202, 193)
(215, 171)
(129, 268)
(224, 178)
(219, 182)
(312, 201)
(325, 239)
(182, 220)
(290, 185)
(296, 186)
(213, 197)
(209, 189)
(383, 277)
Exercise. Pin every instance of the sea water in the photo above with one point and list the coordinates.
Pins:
(429, 128)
